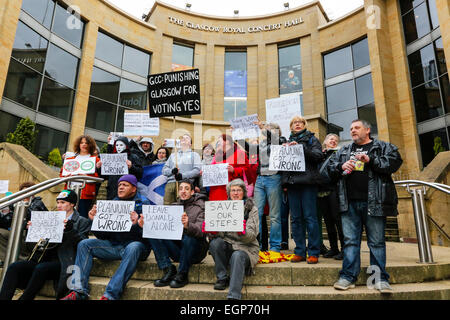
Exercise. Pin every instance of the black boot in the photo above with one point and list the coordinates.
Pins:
(180, 280)
(169, 275)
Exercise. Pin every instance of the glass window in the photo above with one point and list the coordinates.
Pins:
(105, 85)
(68, 26)
(120, 119)
(182, 57)
(8, 123)
(364, 89)
(56, 100)
(61, 66)
(48, 139)
(406, 5)
(416, 23)
(440, 56)
(433, 13)
(109, 50)
(338, 62)
(290, 69)
(341, 96)
(368, 113)
(427, 101)
(29, 47)
(100, 115)
(136, 61)
(234, 109)
(422, 65)
(445, 91)
(41, 10)
(344, 120)
(431, 143)
(133, 95)
(22, 84)
(235, 74)
(361, 56)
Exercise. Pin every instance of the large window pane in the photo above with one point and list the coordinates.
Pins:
(182, 57)
(235, 74)
(431, 143)
(133, 95)
(120, 119)
(41, 10)
(29, 47)
(8, 123)
(440, 56)
(422, 65)
(361, 54)
(364, 89)
(427, 101)
(109, 50)
(445, 91)
(368, 113)
(433, 13)
(338, 62)
(48, 139)
(241, 108)
(228, 110)
(22, 84)
(406, 5)
(290, 70)
(61, 66)
(68, 26)
(105, 85)
(416, 23)
(56, 100)
(100, 115)
(344, 120)
(136, 61)
(341, 96)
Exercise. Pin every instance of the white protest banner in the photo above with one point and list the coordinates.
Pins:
(287, 158)
(215, 174)
(162, 222)
(114, 164)
(114, 137)
(79, 165)
(244, 127)
(4, 185)
(140, 124)
(46, 225)
(281, 110)
(113, 216)
(224, 216)
(170, 143)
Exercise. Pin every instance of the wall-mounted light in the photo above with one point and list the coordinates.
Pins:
(188, 6)
(144, 16)
(236, 13)
(286, 6)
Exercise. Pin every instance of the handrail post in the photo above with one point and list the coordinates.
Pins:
(419, 225)
(425, 229)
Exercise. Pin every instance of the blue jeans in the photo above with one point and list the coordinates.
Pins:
(303, 204)
(129, 252)
(187, 251)
(284, 218)
(352, 222)
(269, 187)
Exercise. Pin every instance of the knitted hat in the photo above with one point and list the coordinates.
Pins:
(129, 178)
(68, 195)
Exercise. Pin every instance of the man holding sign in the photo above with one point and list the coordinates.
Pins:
(52, 263)
(128, 246)
(191, 248)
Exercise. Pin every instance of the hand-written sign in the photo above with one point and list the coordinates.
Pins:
(287, 158)
(172, 143)
(4, 186)
(281, 110)
(46, 225)
(215, 174)
(114, 164)
(114, 137)
(226, 216)
(245, 127)
(162, 222)
(174, 93)
(113, 216)
(140, 124)
(79, 165)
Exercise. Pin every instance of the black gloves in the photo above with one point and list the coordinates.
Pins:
(178, 176)
(69, 226)
(174, 170)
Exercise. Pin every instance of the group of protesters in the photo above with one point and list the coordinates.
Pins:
(349, 187)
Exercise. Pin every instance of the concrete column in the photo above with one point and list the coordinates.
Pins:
(9, 17)
(252, 80)
(166, 54)
(80, 107)
(273, 86)
(262, 81)
(443, 10)
(200, 63)
(207, 102)
(218, 89)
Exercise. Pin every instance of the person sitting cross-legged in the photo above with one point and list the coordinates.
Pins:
(191, 249)
(129, 247)
(239, 250)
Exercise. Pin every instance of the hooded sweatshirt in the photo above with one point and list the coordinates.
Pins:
(146, 158)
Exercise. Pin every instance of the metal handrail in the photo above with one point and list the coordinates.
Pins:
(19, 193)
(414, 183)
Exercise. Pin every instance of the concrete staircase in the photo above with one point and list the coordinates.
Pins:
(289, 281)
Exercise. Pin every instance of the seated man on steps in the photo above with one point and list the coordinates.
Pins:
(129, 247)
(191, 249)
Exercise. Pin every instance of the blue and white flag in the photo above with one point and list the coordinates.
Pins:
(153, 183)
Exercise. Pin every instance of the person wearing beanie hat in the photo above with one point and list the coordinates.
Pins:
(32, 274)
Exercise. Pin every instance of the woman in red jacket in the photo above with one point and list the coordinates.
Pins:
(85, 146)
(227, 151)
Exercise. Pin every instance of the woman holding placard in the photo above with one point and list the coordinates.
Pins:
(85, 147)
(240, 250)
(302, 188)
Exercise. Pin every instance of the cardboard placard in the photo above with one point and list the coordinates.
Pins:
(79, 165)
(281, 110)
(215, 174)
(46, 225)
(140, 124)
(114, 164)
(244, 127)
(287, 158)
(4, 185)
(224, 216)
(162, 222)
(113, 216)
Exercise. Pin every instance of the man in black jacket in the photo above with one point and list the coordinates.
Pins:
(366, 196)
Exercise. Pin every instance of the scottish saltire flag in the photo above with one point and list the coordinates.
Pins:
(153, 183)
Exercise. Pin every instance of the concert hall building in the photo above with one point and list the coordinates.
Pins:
(384, 62)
